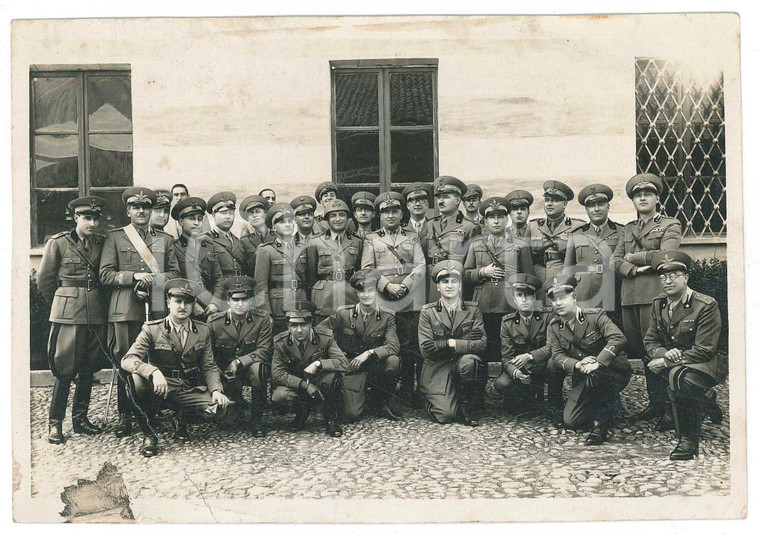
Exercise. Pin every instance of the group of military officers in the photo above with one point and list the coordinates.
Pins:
(339, 311)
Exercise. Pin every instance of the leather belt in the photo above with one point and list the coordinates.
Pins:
(293, 284)
(179, 374)
(89, 284)
(593, 269)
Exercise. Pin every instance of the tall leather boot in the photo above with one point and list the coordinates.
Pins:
(81, 423)
(149, 446)
(58, 401)
(257, 412)
(382, 398)
(711, 408)
(690, 416)
(330, 413)
(656, 392)
(555, 399)
(464, 413)
(124, 428)
(302, 409)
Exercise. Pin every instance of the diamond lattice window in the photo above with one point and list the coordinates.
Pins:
(680, 136)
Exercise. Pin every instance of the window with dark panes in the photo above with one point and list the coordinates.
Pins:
(384, 123)
(81, 143)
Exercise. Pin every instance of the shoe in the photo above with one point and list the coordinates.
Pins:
(55, 434)
(386, 412)
(149, 446)
(649, 413)
(598, 435)
(512, 406)
(258, 430)
(412, 399)
(465, 417)
(333, 429)
(558, 421)
(686, 449)
(712, 410)
(665, 423)
(124, 428)
(84, 426)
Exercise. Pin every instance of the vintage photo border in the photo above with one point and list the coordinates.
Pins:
(367, 511)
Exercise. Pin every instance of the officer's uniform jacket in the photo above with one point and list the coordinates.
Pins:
(410, 228)
(518, 338)
(232, 259)
(158, 347)
(328, 269)
(477, 220)
(355, 337)
(120, 261)
(288, 363)
(588, 259)
(449, 243)
(280, 275)
(494, 295)
(322, 226)
(198, 262)
(385, 253)
(520, 237)
(467, 329)
(250, 242)
(68, 279)
(661, 232)
(251, 344)
(548, 247)
(594, 334)
(693, 328)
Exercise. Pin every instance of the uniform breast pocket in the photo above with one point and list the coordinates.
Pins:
(278, 266)
(520, 341)
(325, 259)
(129, 255)
(65, 301)
(71, 265)
(379, 248)
(438, 331)
(157, 248)
(686, 327)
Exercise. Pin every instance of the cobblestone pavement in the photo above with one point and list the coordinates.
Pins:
(375, 458)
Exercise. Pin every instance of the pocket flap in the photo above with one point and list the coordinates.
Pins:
(68, 292)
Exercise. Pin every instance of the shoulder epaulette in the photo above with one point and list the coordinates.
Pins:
(280, 336)
(216, 316)
(389, 311)
(345, 307)
(593, 310)
(154, 322)
(428, 305)
(704, 298)
(59, 235)
(555, 320)
(323, 331)
(471, 303)
(510, 316)
(258, 311)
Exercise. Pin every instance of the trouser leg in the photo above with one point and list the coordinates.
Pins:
(91, 340)
(406, 328)
(635, 326)
(144, 403)
(259, 376)
(469, 370)
(59, 400)
(121, 335)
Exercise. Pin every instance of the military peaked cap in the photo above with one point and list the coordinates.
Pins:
(325, 187)
(389, 200)
(181, 288)
(277, 212)
(559, 189)
(444, 268)
(90, 205)
(416, 190)
(519, 198)
(163, 199)
(239, 284)
(221, 200)
(473, 190)
(188, 206)
(303, 202)
(447, 184)
(671, 260)
(299, 310)
(524, 282)
(559, 283)
(366, 199)
(137, 195)
(643, 181)
(494, 205)
(251, 202)
(595, 192)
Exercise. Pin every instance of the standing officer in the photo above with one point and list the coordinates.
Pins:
(586, 343)
(549, 235)
(227, 246)
(172, 358)
(368, 333)
(682, 343)
(253, 210)
(303, 208)
(641, 239)
(135, 262)
(68, 278)
(519, 202)
(325, 193)
(280, 272)
(490, 261)
(447, 236)
(417, 198)
(471, 201)
(159, 215)
(243, 348)
(363, 204)
(331, 260)
(524, 350)
(197, 259)
(307, 368)
(452, 339)
(269, 195)
(397, 256)
(589, 251)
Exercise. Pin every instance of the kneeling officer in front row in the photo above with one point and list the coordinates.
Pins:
(307, 367)
(368, 333)
(243, 347)
(173, 359)
(452, 341)
(586, 343)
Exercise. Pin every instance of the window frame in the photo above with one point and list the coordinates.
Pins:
(384, 68)
(82, 73)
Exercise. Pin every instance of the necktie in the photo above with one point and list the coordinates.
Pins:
(444, 223)
(301, 347)
(182, 332)
(86, 245)
(598, 231)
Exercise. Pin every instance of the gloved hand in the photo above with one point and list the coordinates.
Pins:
(431, 347)
(231, 372)
(313, 392)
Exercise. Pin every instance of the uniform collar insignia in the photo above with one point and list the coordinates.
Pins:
(581, 316)
(214, 233)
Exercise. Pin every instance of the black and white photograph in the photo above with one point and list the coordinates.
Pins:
(380, 269)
